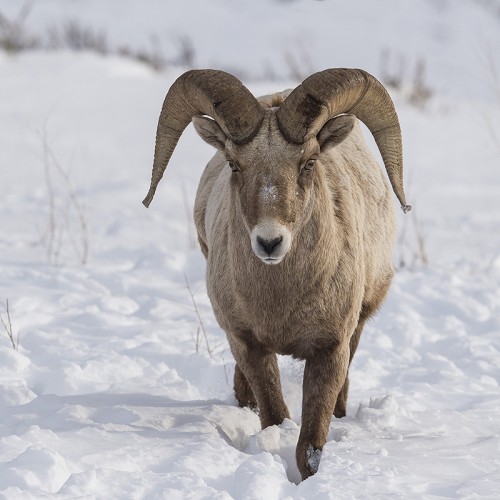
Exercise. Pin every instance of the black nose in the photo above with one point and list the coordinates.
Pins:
(269, 245)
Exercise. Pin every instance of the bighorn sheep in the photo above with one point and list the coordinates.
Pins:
(295, 219)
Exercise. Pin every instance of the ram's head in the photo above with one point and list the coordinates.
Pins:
(274, 148)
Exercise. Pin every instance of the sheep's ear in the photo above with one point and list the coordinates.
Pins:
(334, 131)
(210, 132)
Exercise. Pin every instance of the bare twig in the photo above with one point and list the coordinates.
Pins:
(415, 88)
(421, 252)
(196, 340)
(392, 77)
(202, 326)
(153, 56)
(492, 68)
(492, 130)
(189, 221)
(51, 247)
(83, 248)
(8, 327)
(420, 92)
(224, 364)
(55, 230)
(186, 51)
(412, 248)
(299, 64)
(495, 73)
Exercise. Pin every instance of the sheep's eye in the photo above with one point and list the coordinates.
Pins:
(309, 164)
(233, 166)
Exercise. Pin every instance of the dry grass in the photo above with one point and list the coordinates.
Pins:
(14, 36)
(412, 243)
(408, 79)
(201, 327)
(66, 218)
(7, 324)
(72, 35)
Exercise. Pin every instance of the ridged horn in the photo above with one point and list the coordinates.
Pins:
(334, 91)
(203, 92)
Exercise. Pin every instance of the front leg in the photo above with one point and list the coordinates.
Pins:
(259, 367)
(324, 375)
(242, 389)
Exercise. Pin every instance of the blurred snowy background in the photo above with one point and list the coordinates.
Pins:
(112, 385)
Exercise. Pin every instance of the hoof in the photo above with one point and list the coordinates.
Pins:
(308, 459)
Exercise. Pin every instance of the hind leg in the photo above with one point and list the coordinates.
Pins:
(341, 404)
(366, 311)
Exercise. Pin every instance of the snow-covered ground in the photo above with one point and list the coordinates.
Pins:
(113, 392)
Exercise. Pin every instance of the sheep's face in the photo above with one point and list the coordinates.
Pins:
(273, 181)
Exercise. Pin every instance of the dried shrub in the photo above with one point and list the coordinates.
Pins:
(396, 73)
(13, 34)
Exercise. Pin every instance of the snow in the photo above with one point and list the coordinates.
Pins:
(113, 392)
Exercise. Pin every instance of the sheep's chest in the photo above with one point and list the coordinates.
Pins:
(299, 329)
(287, 316)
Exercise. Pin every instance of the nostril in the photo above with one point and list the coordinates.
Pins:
(269, 245)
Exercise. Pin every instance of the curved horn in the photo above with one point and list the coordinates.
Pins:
(203, 92)
(334, 91)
